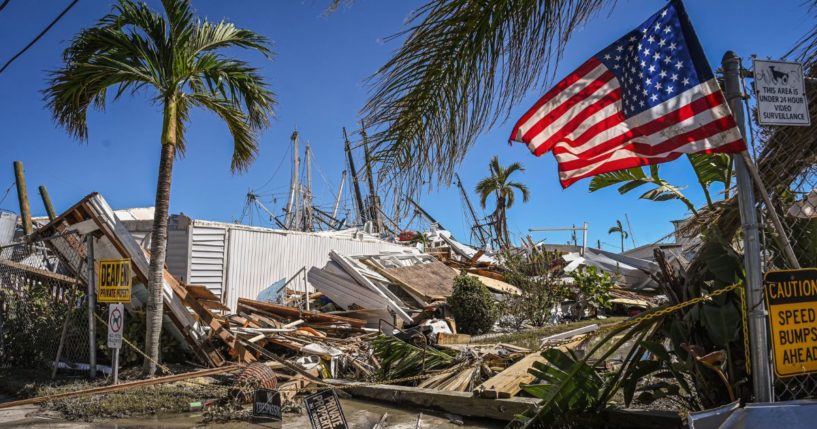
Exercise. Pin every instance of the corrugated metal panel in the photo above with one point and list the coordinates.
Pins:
(8, 224)
(258, 258)
(207, 257)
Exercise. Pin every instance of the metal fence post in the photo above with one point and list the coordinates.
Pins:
(761, 364)
(91, 306)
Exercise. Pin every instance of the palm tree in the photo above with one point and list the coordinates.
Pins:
(179, 59)
(462, 66)
(619, 229)
(503, 189)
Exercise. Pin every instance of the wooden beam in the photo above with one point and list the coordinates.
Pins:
(296, 313)
(459, 403)
(39, 272)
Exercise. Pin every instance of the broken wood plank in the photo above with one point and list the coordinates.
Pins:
(296, 313)
(506, 384)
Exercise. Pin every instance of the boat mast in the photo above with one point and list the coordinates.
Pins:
(293, 184)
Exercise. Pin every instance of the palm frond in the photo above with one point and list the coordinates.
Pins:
(245, 147)
(463, 65)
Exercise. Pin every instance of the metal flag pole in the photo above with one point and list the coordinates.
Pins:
(759, 350)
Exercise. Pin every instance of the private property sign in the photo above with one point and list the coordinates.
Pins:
(791, 297)
(114, 281)
(781, 93)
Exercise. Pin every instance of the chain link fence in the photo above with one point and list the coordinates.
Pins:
(43, 311)
(786, 158)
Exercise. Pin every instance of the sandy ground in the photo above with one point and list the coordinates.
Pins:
(359, 414)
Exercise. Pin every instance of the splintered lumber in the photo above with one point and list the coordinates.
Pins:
(209, 319)
(506, 384)
(459, 403)
(124, 386)
(295, 313)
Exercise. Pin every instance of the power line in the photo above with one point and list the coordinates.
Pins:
(42, 33)
(6, 194)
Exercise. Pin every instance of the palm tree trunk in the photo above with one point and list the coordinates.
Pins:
(158, 239)
(622, 241)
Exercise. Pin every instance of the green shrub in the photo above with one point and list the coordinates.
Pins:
(473, 306)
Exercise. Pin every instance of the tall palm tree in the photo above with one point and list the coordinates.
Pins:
(619, 229)
(180, 60)
(499, 185)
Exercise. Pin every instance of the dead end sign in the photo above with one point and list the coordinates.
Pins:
(781, 93)
(791, 297)
(114, 281)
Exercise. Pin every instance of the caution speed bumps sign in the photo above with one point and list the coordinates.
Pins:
(791, 297)
(114, 281)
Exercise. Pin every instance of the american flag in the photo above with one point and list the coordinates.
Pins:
(647, 98)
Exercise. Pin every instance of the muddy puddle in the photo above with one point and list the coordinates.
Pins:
(359, 414)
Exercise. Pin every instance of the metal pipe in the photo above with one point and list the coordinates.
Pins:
(91, 291)
(584, 239)
(759, 351)
(340, 193)
(22, 197)
(49, 208)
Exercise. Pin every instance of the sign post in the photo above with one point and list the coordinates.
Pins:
(114, 288)
(116, 324)
(791, 297)
(781, 93)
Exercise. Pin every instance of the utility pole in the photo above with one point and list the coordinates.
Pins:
(308, 197)
(293, 184)
(49, 208)
(759, 350)
(477, 227)
(22, 197)
(374, 199)
(361, 211)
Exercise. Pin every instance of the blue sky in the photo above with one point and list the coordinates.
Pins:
(318, 75)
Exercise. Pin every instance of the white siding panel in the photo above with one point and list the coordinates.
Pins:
(207, 257)
(258, 258)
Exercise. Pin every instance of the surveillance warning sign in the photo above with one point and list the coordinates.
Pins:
(781, 93)
(791, 298)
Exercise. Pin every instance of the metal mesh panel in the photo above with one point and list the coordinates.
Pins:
(787, 163)
(43, 310)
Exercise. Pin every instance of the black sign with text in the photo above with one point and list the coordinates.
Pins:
(324, 411)
(266, 403)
